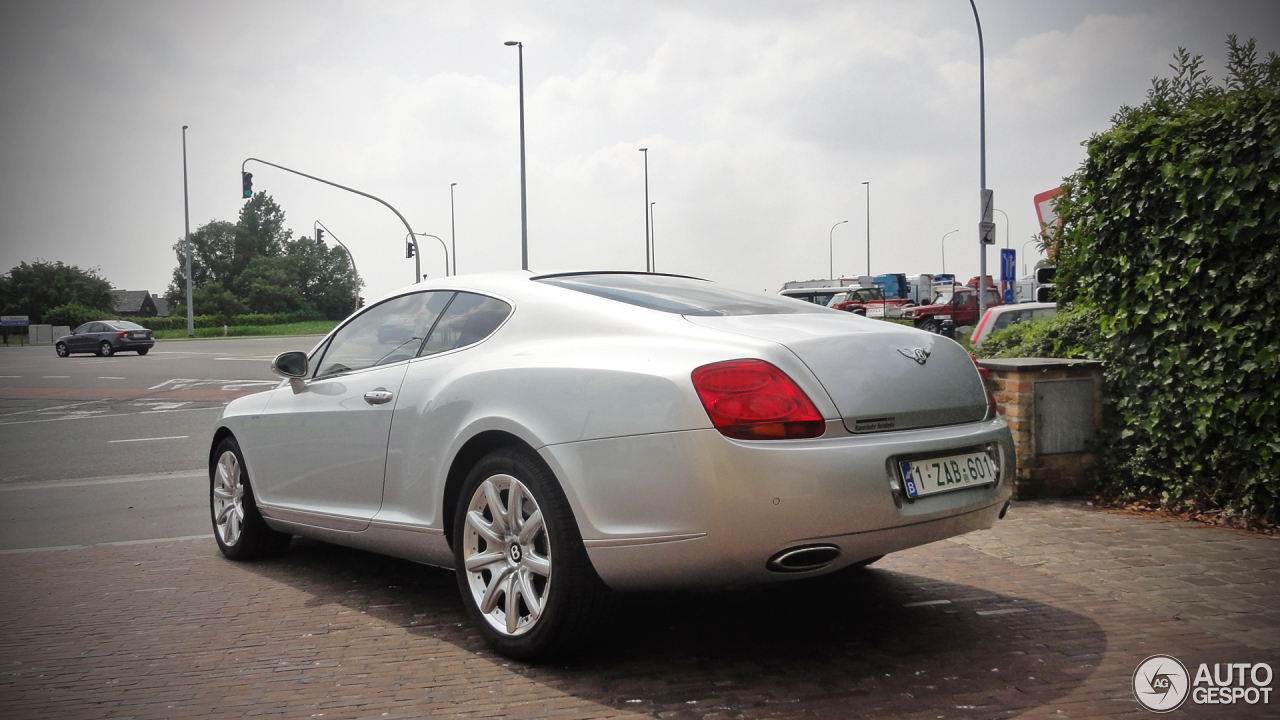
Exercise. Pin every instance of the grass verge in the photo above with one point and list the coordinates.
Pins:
(315, 327)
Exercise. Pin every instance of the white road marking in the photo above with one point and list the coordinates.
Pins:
(108, 377)
(168, 437)
(56, 377)
(927, 602)
(1002, 611)
(111, 480)
(10, 376)
(55, 407)
(108, 544)
(264, 358)
(87, 416)
(227, 385)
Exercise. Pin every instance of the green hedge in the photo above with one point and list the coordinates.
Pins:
(176, 322)
(1069, 334)
(1171, 233)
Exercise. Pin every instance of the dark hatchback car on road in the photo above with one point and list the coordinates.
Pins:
(106, 337)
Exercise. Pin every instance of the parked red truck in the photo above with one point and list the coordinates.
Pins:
(960, 306)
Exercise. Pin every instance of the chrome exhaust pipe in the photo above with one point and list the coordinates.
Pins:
(803, 558)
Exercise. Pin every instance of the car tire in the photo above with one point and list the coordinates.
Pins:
(238, 527)
(504, 557)
(931, 326)
(143, 351)
(61, 349)
(105, 349)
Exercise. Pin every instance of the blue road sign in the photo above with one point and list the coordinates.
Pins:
(1008, 265)
(1008, 296)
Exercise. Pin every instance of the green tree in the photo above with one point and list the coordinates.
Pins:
(256, 266)
(34, 289)
(1171, 234)
(73, 315)
(212, 248)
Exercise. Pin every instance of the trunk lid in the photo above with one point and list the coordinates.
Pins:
(872, 370)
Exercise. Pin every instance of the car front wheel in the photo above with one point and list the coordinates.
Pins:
(241, 532)
(61, 349)
(105, 349)
(522, 569)
(143, 351)
(932, 326)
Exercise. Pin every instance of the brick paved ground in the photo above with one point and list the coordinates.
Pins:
(1224, 581)
(171, 630)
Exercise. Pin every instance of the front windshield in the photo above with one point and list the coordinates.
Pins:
(943, 299)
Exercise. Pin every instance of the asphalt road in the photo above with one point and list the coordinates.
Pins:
(105, 450)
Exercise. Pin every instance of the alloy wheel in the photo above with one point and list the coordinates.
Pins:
(228, 498)
(507, 555)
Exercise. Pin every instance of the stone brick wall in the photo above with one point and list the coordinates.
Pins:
(1013, 384)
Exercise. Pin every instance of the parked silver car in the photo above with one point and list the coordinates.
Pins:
(554, 438)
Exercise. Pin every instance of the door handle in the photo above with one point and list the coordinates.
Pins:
(377, 397)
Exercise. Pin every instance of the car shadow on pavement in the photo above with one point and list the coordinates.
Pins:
(866, 643)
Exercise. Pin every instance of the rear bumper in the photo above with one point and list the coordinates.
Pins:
(695, 509)
(133, 344)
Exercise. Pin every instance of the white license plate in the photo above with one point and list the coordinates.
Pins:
(875, 311)
(927, 476)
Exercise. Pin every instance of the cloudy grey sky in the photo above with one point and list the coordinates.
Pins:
(762, 119)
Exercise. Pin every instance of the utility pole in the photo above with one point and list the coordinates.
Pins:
(524, 207)
(453, 229)
(646, 208)
(186, 221)
(985, 201)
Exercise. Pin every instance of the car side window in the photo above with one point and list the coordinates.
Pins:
(469, 319)
(83, 329)
(97, 328)
(1002, 321)
(389, 332)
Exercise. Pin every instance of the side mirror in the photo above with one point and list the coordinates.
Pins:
(290, 364)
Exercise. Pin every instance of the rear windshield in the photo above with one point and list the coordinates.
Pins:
(125, 325)
(680, 295)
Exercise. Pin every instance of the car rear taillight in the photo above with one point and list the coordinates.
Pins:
(120, 335)
(753, 400)
(985, 375)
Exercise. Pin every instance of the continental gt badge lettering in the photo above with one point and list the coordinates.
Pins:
(920, 355)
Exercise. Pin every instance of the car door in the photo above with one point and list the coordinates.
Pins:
(76, 343)
(88, 340)
(318, 451)
(431, 409)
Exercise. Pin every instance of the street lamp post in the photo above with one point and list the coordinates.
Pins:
(417, 265)
(653, 236)
(453, 229)
(982, 149)
(646, 207)
(186, 221)
(443, 247)
(317, 226)
(868, 184)
(1006, 227)
(944, 251)
(524, 207)
(831, 266)
(1024, 255)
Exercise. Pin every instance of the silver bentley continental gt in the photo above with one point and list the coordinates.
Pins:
(557, 438)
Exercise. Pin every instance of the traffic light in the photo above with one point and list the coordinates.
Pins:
(408, 248)
(359, 301)
(319, 236)
(1044, 283)
(246, 184)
